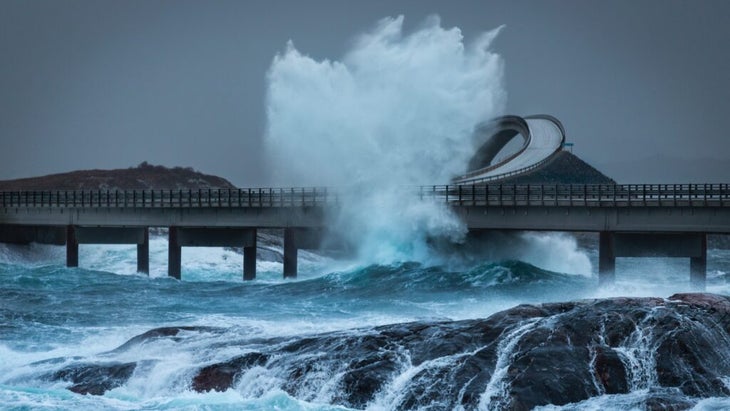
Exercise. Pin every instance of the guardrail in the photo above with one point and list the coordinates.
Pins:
(229, 198)
(584, 195)
(486, 195)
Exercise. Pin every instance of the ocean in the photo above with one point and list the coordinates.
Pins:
(53, 318)
(397, 327)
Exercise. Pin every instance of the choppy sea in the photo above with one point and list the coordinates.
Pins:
(51, 315)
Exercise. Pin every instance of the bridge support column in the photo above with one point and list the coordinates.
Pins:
(698, 267)
(72, 247)
(290, 253)
(249, 260)
(143, 252)
(174, 254)
(606, 258)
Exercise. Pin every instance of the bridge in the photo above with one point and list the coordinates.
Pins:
(543, 136)
(633, 220)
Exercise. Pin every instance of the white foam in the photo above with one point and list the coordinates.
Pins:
(397, 110)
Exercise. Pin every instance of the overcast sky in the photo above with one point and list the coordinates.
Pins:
(642, 87)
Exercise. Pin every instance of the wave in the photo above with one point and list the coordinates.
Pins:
(417, 277)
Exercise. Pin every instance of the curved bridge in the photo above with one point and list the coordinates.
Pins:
(543, 136)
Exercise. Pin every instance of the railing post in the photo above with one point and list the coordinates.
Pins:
(628, 195)
(614, 196)
(690, 194)
(570, 194)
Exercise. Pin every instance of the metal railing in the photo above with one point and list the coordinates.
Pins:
(584, 195)
(480, 195)
(228, 198)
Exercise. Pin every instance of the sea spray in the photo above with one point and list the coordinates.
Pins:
(398, 110)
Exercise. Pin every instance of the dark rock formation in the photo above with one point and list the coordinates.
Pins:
(163, 332)
(144, 176)
(221, 376)
(95, 379)
(676, 350)
(563, 168)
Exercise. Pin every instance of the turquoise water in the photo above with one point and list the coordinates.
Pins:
(51, 315)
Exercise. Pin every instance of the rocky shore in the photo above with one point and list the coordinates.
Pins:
(675, 349)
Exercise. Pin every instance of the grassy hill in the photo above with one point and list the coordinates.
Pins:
(144, 176)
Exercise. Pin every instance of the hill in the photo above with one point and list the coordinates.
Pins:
(144, 176)
(563, 168)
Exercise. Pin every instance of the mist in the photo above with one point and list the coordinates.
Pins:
(397, 110)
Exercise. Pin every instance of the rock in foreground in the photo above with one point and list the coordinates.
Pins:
(676, 349)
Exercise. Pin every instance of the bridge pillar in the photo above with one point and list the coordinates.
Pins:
(72, 247)
(174, 254)
(143, 252)
(290, 253)
(698, 267)
(249, 260)
(606, 258)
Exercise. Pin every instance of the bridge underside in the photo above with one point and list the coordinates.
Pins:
(612, 244)
(72, 236)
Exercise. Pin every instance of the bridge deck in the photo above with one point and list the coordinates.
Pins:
(681, 207)
(682, 213)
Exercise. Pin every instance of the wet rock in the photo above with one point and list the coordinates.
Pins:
(675, 350)
(95, 379)
(221, 376)
(162, 332)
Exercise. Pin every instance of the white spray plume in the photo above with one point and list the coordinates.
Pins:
(398, 110)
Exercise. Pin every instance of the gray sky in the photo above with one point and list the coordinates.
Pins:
(642, 87)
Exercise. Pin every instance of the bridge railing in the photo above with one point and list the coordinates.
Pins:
(228, 198)
(572, 195)
(583, 195)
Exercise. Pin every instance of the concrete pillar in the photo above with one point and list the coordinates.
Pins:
(174, 254)
(698, 267)
(249, 260)
(606, 258)
(72, 247)
(143, 252)
(290, 253)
